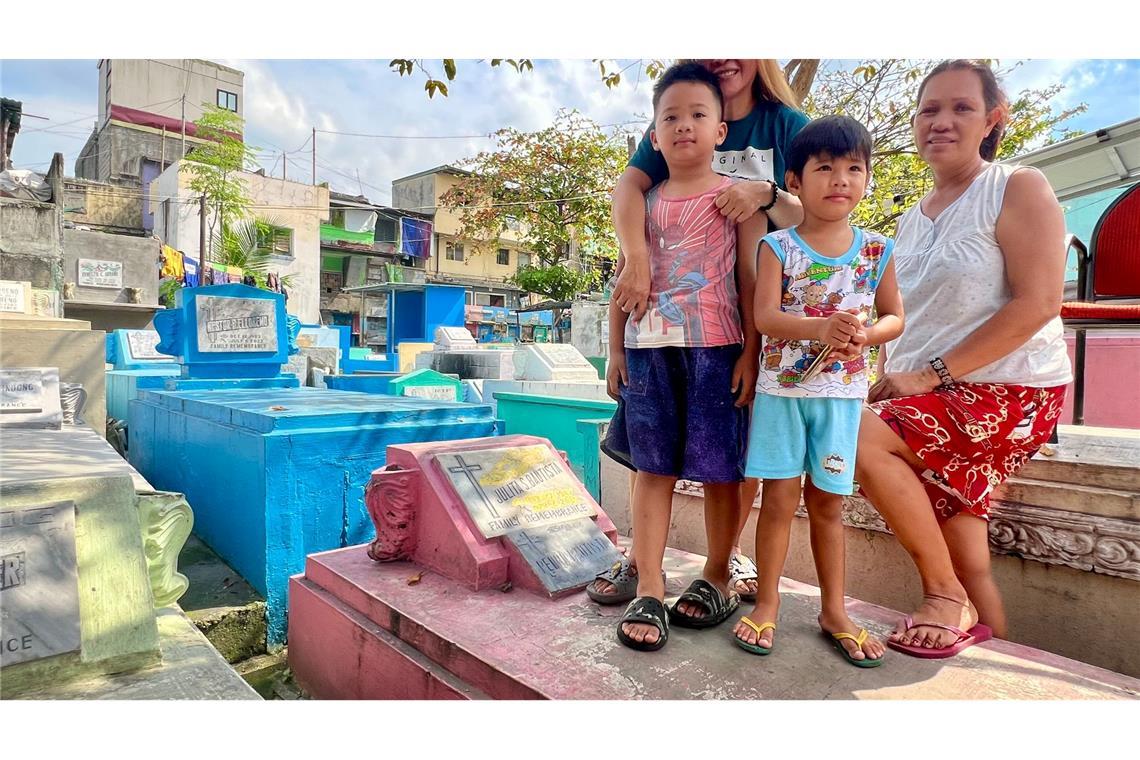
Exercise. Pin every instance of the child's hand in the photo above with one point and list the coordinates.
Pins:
(744, 379)
(854, 349)
(616, 375)
(838, 329)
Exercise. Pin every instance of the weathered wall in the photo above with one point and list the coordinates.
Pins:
(31, 244)
(101, 204)
(140, 257)
(1082, 615)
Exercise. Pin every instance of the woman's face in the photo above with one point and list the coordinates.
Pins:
(735, 76)
(952, 120)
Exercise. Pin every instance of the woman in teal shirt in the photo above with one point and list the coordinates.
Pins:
(763, 116)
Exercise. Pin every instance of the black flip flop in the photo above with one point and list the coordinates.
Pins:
(645, 609)
(708, 596)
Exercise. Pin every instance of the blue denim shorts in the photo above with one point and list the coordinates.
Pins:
(678, 415)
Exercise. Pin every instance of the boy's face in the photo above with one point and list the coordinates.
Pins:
(688, 126)
(830, 188)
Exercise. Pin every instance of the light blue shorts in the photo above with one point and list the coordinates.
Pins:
(791, 436)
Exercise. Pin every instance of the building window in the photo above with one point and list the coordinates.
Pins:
(503, 257)
(227, 100)
(336, 218)
(455, 252)
(524, 259)
(496, 300)
(386, 230)
(276, 241)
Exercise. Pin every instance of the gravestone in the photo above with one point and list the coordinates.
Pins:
(39, 592)
(228, 331)
(553, 361)
(489, 512)
(29, 398)
(136, 349)
(16, 297)
(426, 383)
(454, 338)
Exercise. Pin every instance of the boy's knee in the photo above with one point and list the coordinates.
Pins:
(825, 509)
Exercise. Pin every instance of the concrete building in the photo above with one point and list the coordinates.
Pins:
(485, 272)
(138, 133)
(295, 211)
(367, 244)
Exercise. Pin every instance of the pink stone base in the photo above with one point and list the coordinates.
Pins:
(358, 630)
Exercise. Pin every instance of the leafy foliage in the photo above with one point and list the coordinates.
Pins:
(552, 189)
(242, 243)
(215, 165)
(882, 94)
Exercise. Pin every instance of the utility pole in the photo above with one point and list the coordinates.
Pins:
(314, 155)
(284, 160)
(202, 240)
(183, 126)
(630, 144)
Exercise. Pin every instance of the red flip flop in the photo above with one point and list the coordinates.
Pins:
(975, 635)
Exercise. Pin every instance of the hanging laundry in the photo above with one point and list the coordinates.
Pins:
(171, 264)
(191, 268)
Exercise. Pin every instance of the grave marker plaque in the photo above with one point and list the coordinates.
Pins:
(236, 325)
(559, 362)
(29, 397)
(453, 338)
(565, 555)
(436, 392)
(15, 297)
(100, 274)
(143, 346)
(39, 592)
(509, 488)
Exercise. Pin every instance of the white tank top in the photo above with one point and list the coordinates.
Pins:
(951, 273)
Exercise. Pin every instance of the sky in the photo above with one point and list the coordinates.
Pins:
(286, 99)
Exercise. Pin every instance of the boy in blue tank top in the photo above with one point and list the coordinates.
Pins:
(817, 286)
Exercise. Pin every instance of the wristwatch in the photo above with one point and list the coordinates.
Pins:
(775, 196)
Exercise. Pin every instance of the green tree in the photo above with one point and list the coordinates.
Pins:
(215, 166)
(551, 188)
(882, 94)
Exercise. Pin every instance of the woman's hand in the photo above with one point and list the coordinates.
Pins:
(741, 200)
(899, 384)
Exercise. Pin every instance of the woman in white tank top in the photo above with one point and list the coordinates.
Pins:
(975, 383)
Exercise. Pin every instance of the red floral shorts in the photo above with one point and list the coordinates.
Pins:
(972, 437)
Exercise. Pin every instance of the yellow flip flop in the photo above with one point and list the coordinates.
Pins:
(866, 662)
(754, 648)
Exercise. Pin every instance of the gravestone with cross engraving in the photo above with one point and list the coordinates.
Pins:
(489, 512)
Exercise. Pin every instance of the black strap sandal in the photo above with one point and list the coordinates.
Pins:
(717, 607)
(645, 609)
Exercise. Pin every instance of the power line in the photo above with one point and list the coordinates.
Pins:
(487, 135)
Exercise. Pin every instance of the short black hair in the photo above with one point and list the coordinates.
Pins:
(687, 72)
(834, 136)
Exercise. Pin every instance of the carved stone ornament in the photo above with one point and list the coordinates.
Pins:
(1092, 543)
(391, 500)
(166, 520)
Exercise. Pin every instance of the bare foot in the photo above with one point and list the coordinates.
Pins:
(741, 563)
(872, 648)
(644, 631)
(936, 609)
(760, 614)
(719, 579)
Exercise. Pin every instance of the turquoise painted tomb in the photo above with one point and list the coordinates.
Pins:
(273, 474)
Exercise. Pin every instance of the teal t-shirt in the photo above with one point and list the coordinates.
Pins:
(754, 148)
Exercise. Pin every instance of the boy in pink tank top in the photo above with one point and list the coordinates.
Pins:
(685, 372)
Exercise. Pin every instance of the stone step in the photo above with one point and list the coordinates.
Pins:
(1099, 457)
(1070, 497)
